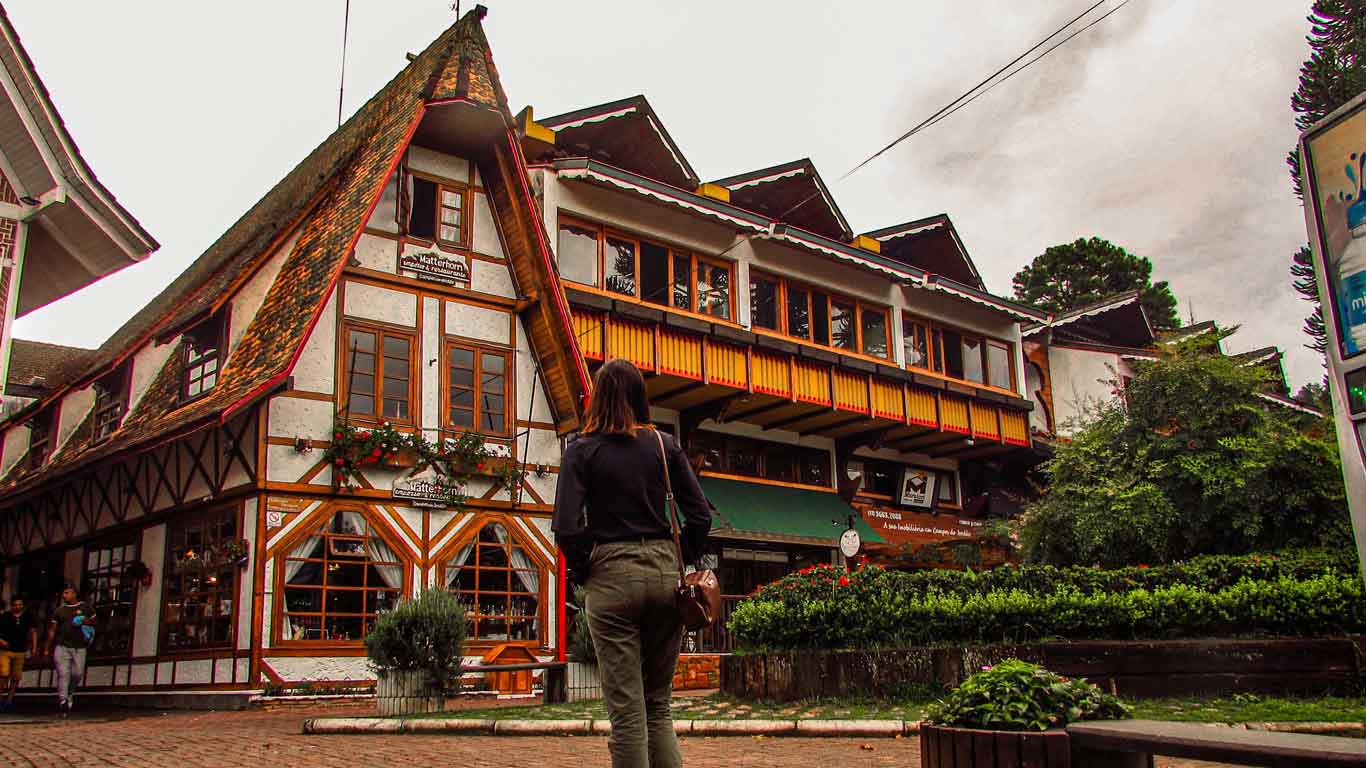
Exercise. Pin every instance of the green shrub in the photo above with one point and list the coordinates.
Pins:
(425, 633)
(1017, 696)
(868, 608)
(580, 639)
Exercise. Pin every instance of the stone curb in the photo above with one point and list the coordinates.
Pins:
(433, 725)
(809, 728)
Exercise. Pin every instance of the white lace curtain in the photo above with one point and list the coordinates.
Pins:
(523, 566)
(455, 564)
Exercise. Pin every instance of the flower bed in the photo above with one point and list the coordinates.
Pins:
(828, 608)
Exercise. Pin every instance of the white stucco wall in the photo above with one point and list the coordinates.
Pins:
(147, 363)
(147, 622)
(15, 447)
(478, 323)
(246, 577)
(249, 298)
(484, 235)
(314, 371)
(438, 164)
(492, 278)
(431, 374)
(372, 302)
(1081, 380)
(74, 407)
(377, 253)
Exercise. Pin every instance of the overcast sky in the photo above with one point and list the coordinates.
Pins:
(1163, 129)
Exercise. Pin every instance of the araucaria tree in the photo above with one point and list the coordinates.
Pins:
(1193, 462)
(1334, 73)
(1074, 274)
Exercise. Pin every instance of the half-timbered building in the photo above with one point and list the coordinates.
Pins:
(439, 267)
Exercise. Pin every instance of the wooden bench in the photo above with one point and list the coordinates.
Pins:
(1132, 743)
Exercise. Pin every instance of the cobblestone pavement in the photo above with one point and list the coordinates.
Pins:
(272, 738)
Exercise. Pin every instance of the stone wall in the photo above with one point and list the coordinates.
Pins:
(1136, 668)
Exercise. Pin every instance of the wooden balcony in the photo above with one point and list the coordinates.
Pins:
(717, 371)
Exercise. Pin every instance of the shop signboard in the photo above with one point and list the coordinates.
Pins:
(436, 267)
(1333, 168)
(919, 487)
(429, 491)
(899, 526)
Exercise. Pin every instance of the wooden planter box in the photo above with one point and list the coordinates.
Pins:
(404, 459)
(407, 693)
(942, 747)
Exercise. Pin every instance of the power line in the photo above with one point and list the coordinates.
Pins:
(966, 98)
(927, 121)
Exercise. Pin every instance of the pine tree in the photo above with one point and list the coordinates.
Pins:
(1333, 74)
(1070, 275)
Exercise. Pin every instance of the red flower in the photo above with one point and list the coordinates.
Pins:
(479, 466)
(1142, 565)
(363, 435)
(844, 581)
(341, 462)
(375, 453)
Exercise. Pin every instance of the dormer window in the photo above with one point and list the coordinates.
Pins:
(111, 400)
(203, 347)
(436, 211)
(39, 438)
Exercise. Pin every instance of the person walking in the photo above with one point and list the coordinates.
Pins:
(72, 628)
(18, 641)
(612, 523)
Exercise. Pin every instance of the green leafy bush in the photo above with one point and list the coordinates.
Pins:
(827, 608)
(1017, 696)
(580, 639)
(425, 633)
(1192, 462)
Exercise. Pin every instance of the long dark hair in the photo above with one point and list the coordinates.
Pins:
(619, 405)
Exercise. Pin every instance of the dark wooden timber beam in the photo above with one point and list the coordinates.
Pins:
(929, 439)
(951, 449)
(760, 410)
(780, 423)
(824, 428)
(690, 418)
(675, 392)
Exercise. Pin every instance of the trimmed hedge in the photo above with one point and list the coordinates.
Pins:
(1303, 594)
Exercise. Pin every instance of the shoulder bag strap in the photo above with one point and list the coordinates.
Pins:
(670, 505)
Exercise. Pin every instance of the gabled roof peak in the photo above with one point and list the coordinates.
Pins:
(932, 244)
(627, 133)
(792, 192)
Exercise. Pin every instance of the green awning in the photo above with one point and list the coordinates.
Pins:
(781, 513)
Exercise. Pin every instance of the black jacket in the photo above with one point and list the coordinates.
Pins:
(611, 488)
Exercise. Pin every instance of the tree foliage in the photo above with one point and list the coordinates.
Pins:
(1333, 74)
(1071, 275)
(1194, 463)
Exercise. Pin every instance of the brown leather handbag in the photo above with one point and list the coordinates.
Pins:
(698, 594)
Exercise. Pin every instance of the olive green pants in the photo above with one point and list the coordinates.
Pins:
(636, 633)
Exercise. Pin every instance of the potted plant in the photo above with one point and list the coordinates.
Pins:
(236, 552)
(1011, 714)
(136, 570)
(415, 650)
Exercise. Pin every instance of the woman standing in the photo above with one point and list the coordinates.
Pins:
(612, 524)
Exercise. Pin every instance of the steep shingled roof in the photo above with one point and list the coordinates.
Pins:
(338, 183)
(42, 366)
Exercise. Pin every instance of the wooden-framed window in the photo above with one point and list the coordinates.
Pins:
(336, 579)
(202, 350)
(40, 429)
(111, 401)
(380, 372)
(500, 583)
(958, 354)
(882, 479)
(437, 210)
(199, 589)
(652, 272)
(477, 388)
(796, 310)
(747, 457)
(112, 595)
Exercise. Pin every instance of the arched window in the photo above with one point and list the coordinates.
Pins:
(336, 579)
(499, 582)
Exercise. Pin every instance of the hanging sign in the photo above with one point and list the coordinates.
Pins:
(897, 526)
(850, 542)
(919, 487)
(430, 491)
(436, 267)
